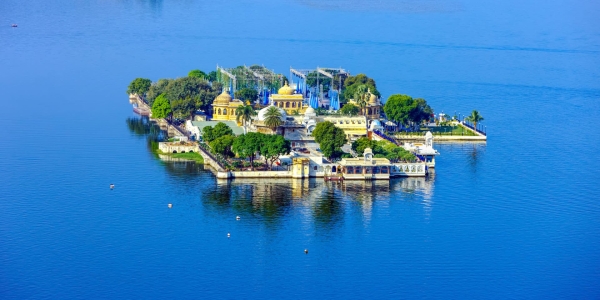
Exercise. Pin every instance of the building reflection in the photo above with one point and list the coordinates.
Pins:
(418, 187)
(321, 205)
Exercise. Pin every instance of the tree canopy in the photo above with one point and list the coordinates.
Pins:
(352, 84)
(349, 109)
(185, 94)
(156, 89)
(246, 94)
(222, 145)
(210, 133)
(161, 108)
(330, 138)
(244, 113)
(475, 118)
(198, 74)
(246, 145)
(272, 147)
(385, 149)
(139, 86)
(273, 118)
(404, 109)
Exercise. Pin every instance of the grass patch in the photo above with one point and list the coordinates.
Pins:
(193, 156)
(449, 130)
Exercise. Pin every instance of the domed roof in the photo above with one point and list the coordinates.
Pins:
(223, 99)
(285, 90)
(310, 111)
(262, 112)
(375, 124)
(373, 98)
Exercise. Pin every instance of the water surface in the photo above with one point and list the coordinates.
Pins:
(516, 217)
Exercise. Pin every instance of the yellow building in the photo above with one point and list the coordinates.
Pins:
(287, 100)
(224, 107)
(354, 127)
(373, 108)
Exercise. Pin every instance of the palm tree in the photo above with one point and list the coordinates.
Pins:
(273, 118)
(245, 113)
(361, 97)
(475, 118)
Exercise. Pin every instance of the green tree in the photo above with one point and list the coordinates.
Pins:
(161, 108)
(198, 92)
(212, 76)
(156, 89)
(272, 147)
(474, 118)
(207, 134)
(222, 145)
(246, 94)
(197, 74)
(182, 108)
(273, 118)
(349, 109)
(139, 86)
(404, 109)
(352, 83)
(246, 145)
(210, 133)
(244, 113)
(361, 144)
(361, 97)
(330, 138)
(221, 129)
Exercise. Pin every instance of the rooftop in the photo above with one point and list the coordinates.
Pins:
(237, 130)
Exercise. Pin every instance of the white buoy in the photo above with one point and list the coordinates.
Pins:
(305, 251)
(237, 218)
(112, 186)
(170, 205)
(228, 234)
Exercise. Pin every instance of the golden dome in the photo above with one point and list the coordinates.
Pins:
(285, 90)
(223, 99)
(373, 98)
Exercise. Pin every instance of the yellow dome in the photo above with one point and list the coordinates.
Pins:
(373, 99)
(285, 90)
(223, 99)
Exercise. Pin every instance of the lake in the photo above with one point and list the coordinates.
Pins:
(516, 217)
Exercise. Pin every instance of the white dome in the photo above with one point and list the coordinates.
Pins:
(375, 124)
(309, 111)
(262, 112)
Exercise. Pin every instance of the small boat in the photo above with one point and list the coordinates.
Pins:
(13, 25)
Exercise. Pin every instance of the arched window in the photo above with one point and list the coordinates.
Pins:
(376, 170)
(219, 111)
(358, 170)
(287, 105)
(350, 170)
(333, 169)
(384, 170)
(293, 104)
(225, 111)
(369, 111)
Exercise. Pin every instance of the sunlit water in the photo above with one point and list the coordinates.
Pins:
(516, 217)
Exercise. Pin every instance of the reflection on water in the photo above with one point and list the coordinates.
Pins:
(323, 204)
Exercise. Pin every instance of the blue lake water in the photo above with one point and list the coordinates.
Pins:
(517, 217)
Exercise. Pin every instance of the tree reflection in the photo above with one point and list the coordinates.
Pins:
(475, 155)
(328, 210)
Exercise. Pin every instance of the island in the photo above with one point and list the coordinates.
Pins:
(251, 122)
